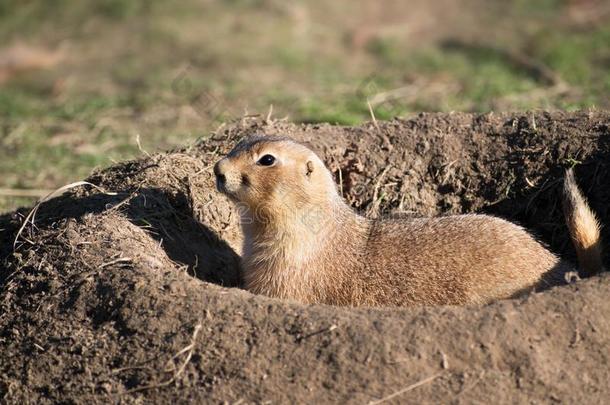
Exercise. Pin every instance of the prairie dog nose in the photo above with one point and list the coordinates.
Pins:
(221, 179)
(220, 169)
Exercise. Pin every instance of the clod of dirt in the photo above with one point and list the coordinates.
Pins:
(127, 296)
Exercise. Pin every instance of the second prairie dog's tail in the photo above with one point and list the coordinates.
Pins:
(583, 226)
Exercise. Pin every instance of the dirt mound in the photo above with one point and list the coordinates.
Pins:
(125, 296)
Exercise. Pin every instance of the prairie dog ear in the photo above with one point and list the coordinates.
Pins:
(309, 168)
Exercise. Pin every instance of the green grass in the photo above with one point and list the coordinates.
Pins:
(171, 73)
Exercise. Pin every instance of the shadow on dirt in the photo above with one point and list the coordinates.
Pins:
(166, 216)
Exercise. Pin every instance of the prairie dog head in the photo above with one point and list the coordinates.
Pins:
(275, 177)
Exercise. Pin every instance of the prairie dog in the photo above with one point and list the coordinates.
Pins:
(303, 242)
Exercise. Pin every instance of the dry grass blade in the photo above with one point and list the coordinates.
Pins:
(372, 113)
(318, 332)
(376, 201)
(189, 354)
(140, 146)
(30, 217)
(270, 113)
(406, 389)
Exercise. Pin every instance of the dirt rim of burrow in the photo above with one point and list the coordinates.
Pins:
(132, 296)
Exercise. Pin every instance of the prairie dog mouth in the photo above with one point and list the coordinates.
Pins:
(221, 186)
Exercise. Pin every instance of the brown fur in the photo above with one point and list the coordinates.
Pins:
(303, 242)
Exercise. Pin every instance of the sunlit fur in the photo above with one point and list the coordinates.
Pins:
(303, 242)
(583, 226)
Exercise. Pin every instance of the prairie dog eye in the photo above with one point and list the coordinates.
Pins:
(266, 160)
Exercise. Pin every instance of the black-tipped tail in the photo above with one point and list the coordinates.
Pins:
(583, 226)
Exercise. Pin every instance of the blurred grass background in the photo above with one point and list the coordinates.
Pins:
(82, 82)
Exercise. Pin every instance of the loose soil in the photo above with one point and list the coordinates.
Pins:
(134, 296)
